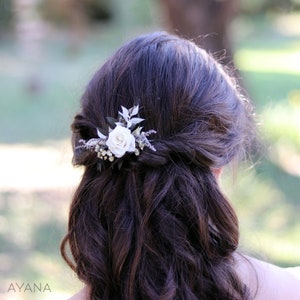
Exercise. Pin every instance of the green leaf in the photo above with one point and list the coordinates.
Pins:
(112, 122)
(103, 132)
(120, 163)
(100, 134)
(99, 166)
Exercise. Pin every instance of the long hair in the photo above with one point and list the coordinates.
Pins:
(159, 227)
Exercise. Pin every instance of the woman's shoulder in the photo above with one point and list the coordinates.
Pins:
(267, 281)
(81, 295)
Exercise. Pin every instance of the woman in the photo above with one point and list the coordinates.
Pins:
(158, 122)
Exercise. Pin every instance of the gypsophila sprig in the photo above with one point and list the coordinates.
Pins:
(124, 135)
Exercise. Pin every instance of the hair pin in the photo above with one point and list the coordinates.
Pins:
(124, 135)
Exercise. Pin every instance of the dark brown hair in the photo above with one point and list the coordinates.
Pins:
(160, 228)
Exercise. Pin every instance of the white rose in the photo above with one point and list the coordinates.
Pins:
(120, 140)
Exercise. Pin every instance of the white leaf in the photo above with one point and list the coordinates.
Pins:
(92, 143)
(125, 113)
(101, 136)
(137, 131)
(135, 110)
(136, 120)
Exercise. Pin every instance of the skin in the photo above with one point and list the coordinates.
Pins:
(81, 295)
(267, 281)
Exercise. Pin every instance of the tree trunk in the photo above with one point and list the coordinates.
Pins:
(204, 21)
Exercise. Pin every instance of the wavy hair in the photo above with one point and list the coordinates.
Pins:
(160, 228)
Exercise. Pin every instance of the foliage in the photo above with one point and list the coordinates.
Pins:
(60, 12)
(6, 14)
(267, 196)
(254, 7)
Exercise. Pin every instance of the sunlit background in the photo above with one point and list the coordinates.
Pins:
(48, 51)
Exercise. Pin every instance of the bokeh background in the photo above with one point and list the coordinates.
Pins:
(48, 51)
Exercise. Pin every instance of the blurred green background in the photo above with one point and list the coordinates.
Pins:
(48, 52)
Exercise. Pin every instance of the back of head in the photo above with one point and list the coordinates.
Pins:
(159, 227)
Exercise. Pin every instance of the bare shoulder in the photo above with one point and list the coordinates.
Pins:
(81, 295)
(267, 281)
(295, 271)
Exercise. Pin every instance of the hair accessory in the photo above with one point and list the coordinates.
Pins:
(122, 135)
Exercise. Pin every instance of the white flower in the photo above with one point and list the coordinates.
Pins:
(127, 133)
(120, 140)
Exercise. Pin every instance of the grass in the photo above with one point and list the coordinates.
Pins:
(267, 197)
(33, 222)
